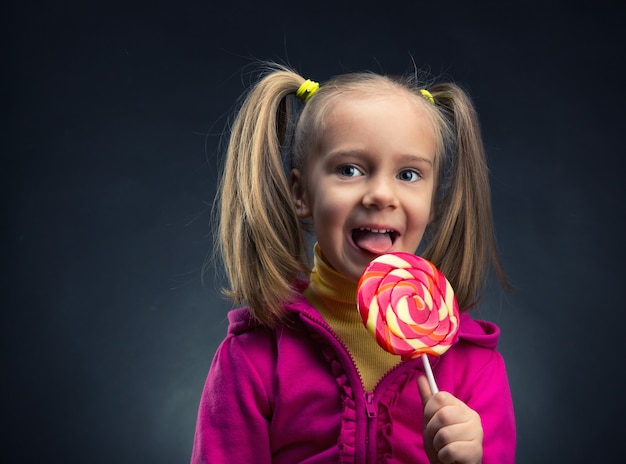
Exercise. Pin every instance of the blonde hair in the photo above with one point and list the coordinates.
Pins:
(261, 238)
(461, 237)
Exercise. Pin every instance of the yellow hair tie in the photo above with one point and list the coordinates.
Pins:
(306, 90)
(429, 96)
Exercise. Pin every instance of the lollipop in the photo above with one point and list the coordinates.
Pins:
(409, 306)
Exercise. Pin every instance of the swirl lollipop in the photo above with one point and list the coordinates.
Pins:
(409, 306)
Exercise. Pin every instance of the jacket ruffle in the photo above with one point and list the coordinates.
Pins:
(384, 449)
(347, 435)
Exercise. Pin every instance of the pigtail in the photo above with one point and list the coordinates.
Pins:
(260, 235)
(463, 241)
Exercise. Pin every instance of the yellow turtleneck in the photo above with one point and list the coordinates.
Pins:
(334, 296)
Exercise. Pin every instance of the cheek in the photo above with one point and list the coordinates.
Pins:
(428, 206)
(423, 214)
(328, 208)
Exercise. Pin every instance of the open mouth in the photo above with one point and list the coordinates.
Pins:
(376, 241)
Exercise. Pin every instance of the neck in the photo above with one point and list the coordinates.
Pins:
(332, 285)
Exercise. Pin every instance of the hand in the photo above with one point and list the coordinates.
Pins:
(453, 432)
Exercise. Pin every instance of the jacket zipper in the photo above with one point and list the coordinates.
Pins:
(371, 409)
(369, 405)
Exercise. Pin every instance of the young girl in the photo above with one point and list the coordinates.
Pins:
(375, 164)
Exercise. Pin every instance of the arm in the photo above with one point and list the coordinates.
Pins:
(491, 399)
(235, 408)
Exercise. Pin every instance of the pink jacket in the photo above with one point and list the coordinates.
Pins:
(293, 395)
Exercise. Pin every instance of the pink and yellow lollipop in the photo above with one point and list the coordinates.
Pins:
(409, 306)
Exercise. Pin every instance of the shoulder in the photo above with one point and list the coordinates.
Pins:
(484, 334)
(241, 321)
(475, 350)
(245, 333)
(261, 354)
(473, 368)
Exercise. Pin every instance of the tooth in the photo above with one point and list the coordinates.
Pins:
(377, 231)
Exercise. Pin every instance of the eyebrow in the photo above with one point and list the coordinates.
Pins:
(418, 158)
(360, 153)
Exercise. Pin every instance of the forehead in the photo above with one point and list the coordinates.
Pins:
(395, 119)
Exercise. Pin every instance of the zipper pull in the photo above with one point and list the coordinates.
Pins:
(369, 405)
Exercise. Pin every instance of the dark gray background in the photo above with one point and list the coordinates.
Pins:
(111, 122)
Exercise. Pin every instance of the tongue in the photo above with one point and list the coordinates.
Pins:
(373, 242)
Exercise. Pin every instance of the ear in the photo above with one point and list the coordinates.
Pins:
(298, 194)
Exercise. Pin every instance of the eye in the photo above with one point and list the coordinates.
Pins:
(349, 170)
(409, 175)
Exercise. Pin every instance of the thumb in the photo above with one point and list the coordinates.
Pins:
(424, 388)
(426, 394)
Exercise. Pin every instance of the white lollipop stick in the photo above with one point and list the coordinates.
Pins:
(429, 375)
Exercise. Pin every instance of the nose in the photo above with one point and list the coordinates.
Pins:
(380, 193)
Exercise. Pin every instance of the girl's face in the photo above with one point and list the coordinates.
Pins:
(368, 186)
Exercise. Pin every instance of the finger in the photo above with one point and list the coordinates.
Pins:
(428, 433)
(446, 413)
(424, 389)
(440, 409)
(460, 432)
(457, 433)
(461, 451)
